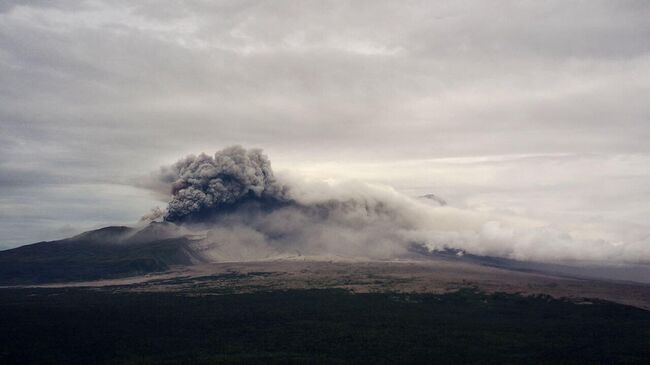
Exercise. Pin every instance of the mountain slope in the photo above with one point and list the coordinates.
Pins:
(109, 252)
(119, 252)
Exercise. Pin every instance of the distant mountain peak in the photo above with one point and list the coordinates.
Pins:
(434, 198)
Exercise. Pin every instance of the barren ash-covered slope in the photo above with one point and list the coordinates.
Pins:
(162, 257)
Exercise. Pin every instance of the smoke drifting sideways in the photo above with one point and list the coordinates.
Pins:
(236, 209)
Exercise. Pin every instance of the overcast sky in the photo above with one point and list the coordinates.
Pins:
(533, 108)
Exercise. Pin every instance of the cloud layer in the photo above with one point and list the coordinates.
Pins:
(525, 108)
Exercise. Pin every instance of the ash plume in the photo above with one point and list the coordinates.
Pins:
(236, 209)
(156, 214)
(235, 201)
(203, 185)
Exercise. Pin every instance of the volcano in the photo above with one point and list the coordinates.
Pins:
(229, 215)
(168, 257)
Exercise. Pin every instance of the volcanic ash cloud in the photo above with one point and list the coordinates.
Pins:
(203, 186)
(243, 211)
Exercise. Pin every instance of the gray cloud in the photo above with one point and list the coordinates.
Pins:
(95, 93)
